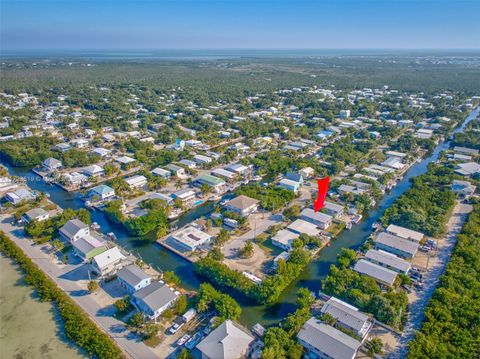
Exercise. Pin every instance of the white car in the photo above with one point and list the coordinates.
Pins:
(175, 327)
(183, 340)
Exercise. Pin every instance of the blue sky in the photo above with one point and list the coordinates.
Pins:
(247, 24)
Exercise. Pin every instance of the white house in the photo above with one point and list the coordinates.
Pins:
(137, 181)
(154, 299)
(108, 262)
(132, 278)
(102, 192)
(242, 205)
(74, 229)
(36, 214)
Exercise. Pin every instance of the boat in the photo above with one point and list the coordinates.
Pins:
(112, 236)
(95, 226)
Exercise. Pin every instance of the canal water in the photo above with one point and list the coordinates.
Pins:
(164, 260)
(29, 328)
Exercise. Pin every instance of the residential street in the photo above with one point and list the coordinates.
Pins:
(62, 275)
(417, 308)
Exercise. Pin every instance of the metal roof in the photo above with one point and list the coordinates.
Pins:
(388, 259)
(376, 271)
(155, 295)
(345, 314)
(396, 242)
(132, 275)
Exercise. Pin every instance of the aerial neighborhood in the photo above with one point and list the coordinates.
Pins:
(177, 215)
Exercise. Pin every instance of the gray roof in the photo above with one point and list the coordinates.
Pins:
(227, 341)
(242, 202)
(72, 227)
(132, 275)
(333, 207)
(310, 214)
(36, 212)
(345, 314)
(375, 271)
(405, 232)
(388, 259)
(396, 242)
(156, 295)
(328, 340)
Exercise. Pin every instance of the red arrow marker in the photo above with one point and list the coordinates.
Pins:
(322, 193)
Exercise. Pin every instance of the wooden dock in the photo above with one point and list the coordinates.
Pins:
(191, 259)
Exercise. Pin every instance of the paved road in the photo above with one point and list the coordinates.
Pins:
(62, 276)
(417, 309)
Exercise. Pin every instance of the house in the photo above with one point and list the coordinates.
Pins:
(35, 214)
(388, 260)
(88, 247)
(160, 172)
(125, 160)
(108, 262)
(189, 238)
(242, 205)
(296, 177)
(154, 299)
(344, 189)
(300, 226)
(399, 246)
(466, 151)
(405, 233)
(74, 179)
(62, 147)
(468, 169)
(289, 185)
(102, 192)
(102, 152)
(320, 219)
(284, 239)
(202, 160)
(463, 188)
(238, 168)
(227, 341)
(333, 209)
(381, 274)
(186, 195)
(137, 181)
(73, 230)
(217, 184)
(227, 175)
(20, 195)
(79, 142)
(393, 162)
(324, 341)
(163, 197)
(189, 164)
(51, 164)
(307, 172)
(176, 170)
(132, 278)
(94, 171)
(348, 317)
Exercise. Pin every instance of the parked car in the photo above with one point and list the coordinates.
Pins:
(182, 340)
(176, 326)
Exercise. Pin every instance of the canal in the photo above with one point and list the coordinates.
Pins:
(164, 260)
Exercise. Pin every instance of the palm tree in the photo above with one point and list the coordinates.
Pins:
(178, 184)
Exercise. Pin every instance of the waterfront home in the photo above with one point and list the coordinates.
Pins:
(20, 195)
(405, 233)
(186, 195)
(381, 274)
(388, 260)
(393, 162)
(217, 184)
(238, 168)
(102, 192)
(189, 238)
(289, 185)
(73, 179)
(333, 209)
(423, 133)
(347, 317)
(346, 189)
(88, 247)
(108, 262)
(284, 239)
(324, 341)
(154, 299)
(51, 164)
(202, 160)
(466, 151)
(321, 220)
(227, 175)
(35, 214)
(163, 197)
(176, 170)
(160, 172)
(397, 245)
(132, 278)
(73, 230)
(125, 160)
(242, 205)
(227, 341)
(463, 189)
(137, 181)
(94, 171)
(397, 154)
(300, 226)
(468, 169)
